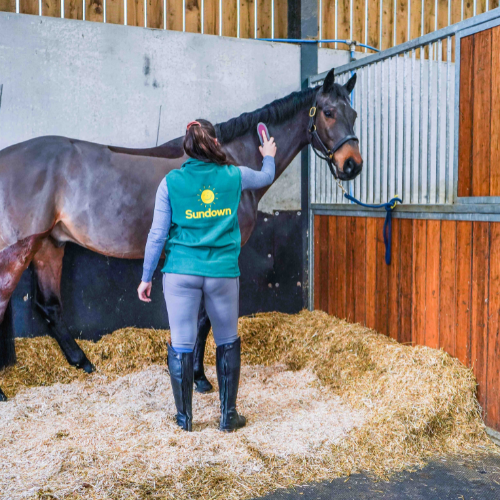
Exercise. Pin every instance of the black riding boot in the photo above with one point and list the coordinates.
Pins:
(228, 375)
(180, 366)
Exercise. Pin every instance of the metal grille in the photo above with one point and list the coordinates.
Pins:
(406, 118)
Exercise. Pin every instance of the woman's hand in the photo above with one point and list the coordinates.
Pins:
(144, 291)
(269, 147)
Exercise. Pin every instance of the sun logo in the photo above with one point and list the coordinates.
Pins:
(207, 196)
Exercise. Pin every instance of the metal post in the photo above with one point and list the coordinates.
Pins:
(308, 67)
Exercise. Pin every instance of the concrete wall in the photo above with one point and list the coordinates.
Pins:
(106, 83)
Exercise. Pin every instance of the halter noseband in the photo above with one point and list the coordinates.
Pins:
(325, 154)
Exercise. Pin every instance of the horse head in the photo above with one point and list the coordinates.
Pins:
(332, 128)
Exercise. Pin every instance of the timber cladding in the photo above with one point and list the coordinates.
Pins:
(479, 119)
(442, 288)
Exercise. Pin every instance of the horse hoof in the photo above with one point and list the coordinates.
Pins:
(87, 366)
(203, 386)
(3, 397)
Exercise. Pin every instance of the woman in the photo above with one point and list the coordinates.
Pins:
(196, 221)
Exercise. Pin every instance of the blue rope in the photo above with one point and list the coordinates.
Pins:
(389, 207)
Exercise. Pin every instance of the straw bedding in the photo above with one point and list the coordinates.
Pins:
(323, 398)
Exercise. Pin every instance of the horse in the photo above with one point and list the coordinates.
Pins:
(55, 190)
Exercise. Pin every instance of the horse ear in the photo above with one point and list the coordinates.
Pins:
(329, 81)
(349, 86)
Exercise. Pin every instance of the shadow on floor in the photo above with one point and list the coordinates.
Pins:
(450, 479)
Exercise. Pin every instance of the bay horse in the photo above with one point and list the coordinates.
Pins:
(55, 190)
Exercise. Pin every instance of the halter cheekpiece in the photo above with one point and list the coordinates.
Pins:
(325, 153)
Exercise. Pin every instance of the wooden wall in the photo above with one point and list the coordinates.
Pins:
(479, 127)
(441, 290)
(397, 21)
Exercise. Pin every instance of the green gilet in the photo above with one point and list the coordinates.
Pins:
(204, 237)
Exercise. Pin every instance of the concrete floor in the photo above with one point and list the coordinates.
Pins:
(451, 479)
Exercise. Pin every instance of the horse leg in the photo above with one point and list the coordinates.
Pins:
(48, 268)
(201, 382)
(14, 260)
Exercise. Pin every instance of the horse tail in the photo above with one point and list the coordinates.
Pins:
(7, 342)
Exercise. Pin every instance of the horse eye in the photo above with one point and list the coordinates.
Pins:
(328, 113)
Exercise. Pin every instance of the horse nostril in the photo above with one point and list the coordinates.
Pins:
(349, 166)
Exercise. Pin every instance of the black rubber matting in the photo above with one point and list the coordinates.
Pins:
(450, 479)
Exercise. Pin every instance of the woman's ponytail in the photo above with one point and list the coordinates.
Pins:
(201, 143)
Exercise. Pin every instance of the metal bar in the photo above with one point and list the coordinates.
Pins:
(416, 43)
(320, 21)
(404, 115)
(62, 8)
(412, 127)
(438, 122)
(39, 7)
(255, 18)
(366, 25)
(203, 16)
(381, 133)
(363, 119)
(272, 17)
(456, 118)
(220, 17)
(422, 18)
(387, 157)
(350, 19)
(17, 7)
(449, 12)
(336, 20)
(448, 136)
(435, 15)
(83, 10)
(381, 16)
(183, 14)
(421, 128)
(103, 11)
(238, 15)
(164, 14)
(394, 31)
(396, 130)
(429, 123)
(474, 12)
(462, 11)
(370, 133)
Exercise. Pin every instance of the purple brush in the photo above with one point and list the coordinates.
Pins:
(262, 128)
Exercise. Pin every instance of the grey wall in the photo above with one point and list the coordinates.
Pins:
(106, 83)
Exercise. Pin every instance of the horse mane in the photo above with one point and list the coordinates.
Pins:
(273, 113)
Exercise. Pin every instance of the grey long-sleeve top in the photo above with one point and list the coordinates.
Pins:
(162, 218)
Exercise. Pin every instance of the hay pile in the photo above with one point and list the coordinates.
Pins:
(373, 405)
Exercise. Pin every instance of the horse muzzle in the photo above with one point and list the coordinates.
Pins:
(350, 170)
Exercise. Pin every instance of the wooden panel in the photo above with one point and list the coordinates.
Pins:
(374, 23)
(94, 10)
(229, 17)
(343, 28)
(211, 18)
(358, 22)
(371, 270)
(155, 13)
(324, 256)
(429, 15)
(495, 115)
(135, 13)
(328, 28)
(419, 281)
(381, 299)
(479, 302)
(405, 280)
(402, 21)
(360, 271)
(280, 18)
(51, 8)
(351, 246)
(468, 8)
(114, 11)
(447, 299)
(264, 18)
(442, 14)
(493, 358)
(387, 24)
(432, 284)
(73, 9)
(393, 326)
(247, 26)
(317, 260)
(28, 7)
(465, 117)
(331, 307)
(416, 20)
(481, 114)
(464, 278)
(7, 5)
(340, 269)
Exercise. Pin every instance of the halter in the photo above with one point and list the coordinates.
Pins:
(326, 154)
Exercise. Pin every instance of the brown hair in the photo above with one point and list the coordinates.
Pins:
(201, 143)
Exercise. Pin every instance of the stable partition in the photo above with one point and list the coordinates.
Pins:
(429, 133)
